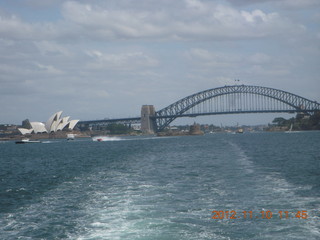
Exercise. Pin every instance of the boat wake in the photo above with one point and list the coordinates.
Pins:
(105, 139)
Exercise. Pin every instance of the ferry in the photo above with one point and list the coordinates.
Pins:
(70, 136)
(27, 141)
(239, 130)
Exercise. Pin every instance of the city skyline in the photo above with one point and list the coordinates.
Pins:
(105, 59)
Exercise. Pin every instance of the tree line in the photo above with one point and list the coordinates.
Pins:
(300, 122)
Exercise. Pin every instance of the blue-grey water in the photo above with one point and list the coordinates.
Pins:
(162, 188)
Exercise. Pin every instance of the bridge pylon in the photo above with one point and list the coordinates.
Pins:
(148, 121)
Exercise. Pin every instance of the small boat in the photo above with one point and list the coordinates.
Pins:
(290, 130)
(239, 130)
(27, 141)
(70, 136)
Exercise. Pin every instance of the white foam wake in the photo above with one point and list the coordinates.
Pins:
(105, 139)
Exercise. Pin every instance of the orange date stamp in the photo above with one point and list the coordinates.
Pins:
(232, 214)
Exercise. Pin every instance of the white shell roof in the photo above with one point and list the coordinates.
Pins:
(72, 124)
(38, 127)
(51, 120)
(54, 123)
(25, 131)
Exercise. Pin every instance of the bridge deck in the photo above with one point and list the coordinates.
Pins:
(115, 120)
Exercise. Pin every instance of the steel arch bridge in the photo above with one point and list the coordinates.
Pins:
(231, 100)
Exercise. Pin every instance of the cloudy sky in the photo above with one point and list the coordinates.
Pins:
(96, 59)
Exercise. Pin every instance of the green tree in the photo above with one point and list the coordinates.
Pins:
(116, 128)
(279, 121)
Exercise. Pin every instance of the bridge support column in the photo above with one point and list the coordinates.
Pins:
(148, 124)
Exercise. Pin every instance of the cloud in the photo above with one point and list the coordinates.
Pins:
(298, 4)
(212, 61)
(48, 69)
(49, 48)
(195, 20)
(123, 61)
(260, 58)
(11, 27)
(229, 66)
(14, 28)
(41, 3)
(249, 2)
(214, 22)
(85, 56)
(291, 4)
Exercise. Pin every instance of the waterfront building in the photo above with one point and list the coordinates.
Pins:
(54, 123)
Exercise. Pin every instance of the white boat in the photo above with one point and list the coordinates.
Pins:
(71, 136)
(27, 141)
(239, 130)
(290, 130)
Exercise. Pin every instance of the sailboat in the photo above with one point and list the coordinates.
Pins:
(290, 129)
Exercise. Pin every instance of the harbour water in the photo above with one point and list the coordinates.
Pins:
(217, 186)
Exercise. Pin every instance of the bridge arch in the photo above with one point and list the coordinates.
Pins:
(293, 102)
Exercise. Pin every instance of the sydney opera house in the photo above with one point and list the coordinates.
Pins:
(55, 123)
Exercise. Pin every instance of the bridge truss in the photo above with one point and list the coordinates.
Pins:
(234, 99)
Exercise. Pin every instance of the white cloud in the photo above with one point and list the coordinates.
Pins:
(299, 3)
(249, 2)
(48, 69)
(41, 3)
(52, 48)
(123, 61)
(294, 4)
(11, 27)
(266, 71)
(14, 28)
(148, 53)
(213, 22)
(260, 58)
(213, 60)
(196, 5)
(200, 54)
(225, 67)
(257, 16)
(194, 20)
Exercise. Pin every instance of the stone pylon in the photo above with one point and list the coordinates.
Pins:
(148, 124)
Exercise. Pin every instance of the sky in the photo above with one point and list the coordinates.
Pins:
(105, 59)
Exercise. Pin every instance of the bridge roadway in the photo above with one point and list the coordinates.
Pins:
(115, 120)
(136, 120)
(220, 113)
